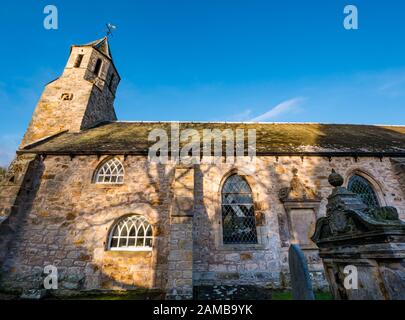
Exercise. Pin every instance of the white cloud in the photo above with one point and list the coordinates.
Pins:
(279, 109)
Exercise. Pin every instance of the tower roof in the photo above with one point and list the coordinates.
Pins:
(100, 45)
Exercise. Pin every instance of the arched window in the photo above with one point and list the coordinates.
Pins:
(238, 216)
(97, 68)
(363, 188)
(133, 233)
(111, 172)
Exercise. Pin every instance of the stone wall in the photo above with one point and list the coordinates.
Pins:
(399, 171)
(68, 221)
(266, 263)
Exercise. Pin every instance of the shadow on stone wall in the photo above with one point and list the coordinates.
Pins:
(143, 272)
(12, 229)
(57, 236)
(218, 265)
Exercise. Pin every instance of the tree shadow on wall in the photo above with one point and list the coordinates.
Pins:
(24, 259)
(12, 229)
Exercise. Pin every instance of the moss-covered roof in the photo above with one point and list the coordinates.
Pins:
(132, 138)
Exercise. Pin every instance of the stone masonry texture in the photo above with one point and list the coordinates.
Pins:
(67, 218)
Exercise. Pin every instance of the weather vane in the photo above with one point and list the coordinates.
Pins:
(110, 29)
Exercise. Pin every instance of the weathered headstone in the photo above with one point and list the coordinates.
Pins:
(300, 279)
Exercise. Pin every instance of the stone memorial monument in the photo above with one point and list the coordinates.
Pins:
(362, 248)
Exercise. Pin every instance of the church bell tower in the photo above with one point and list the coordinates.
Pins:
(82, 97)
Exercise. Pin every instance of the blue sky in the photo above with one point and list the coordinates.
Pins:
(207, 60)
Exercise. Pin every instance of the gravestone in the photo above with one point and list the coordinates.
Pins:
(34, 294)
(300, 278)
(362, 248)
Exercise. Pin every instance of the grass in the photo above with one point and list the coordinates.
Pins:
(123, 295)
(288, 296)
(283, 295)
(154, 295)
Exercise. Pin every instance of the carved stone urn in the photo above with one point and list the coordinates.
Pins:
(362, 248)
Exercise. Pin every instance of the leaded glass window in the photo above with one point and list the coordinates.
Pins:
(111, 172)
(238, 216)
(363, 188)
(132, 233)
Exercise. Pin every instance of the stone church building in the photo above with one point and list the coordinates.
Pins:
(82, 195)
